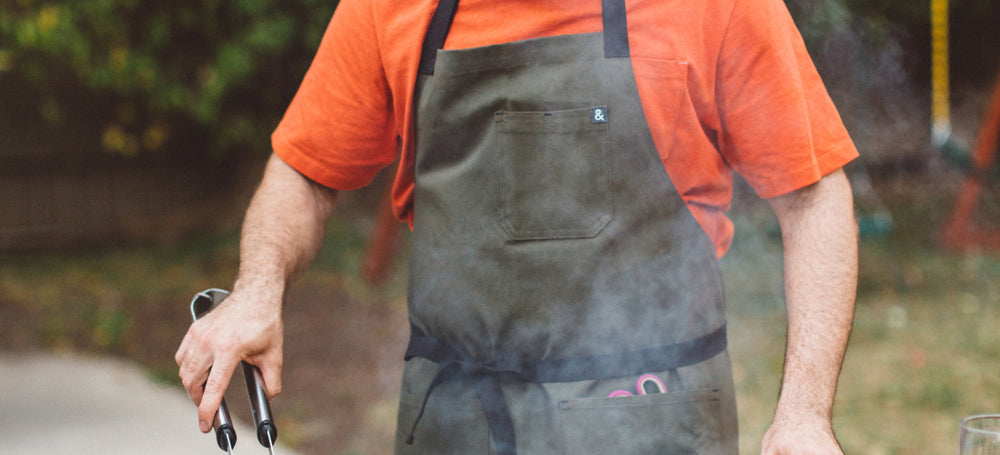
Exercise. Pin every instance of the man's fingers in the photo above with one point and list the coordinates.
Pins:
(215, 389)
(193, 377)
(182, 349)
(194, 365)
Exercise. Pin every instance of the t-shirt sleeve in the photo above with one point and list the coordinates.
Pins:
(339, 127)
(779, 127)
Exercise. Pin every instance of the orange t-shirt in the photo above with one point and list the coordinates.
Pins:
(754, 103)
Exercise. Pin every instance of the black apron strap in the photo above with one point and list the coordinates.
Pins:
(615, 31)
(488, 374)
(437, 32)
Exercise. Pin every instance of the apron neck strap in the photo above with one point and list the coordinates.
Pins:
(615, 31)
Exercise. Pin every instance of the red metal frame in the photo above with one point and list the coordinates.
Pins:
(960, 232)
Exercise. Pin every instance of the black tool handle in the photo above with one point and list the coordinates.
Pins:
(225, 433)
(267, 431)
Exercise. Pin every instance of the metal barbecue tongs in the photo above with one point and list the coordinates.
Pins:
(225, 432)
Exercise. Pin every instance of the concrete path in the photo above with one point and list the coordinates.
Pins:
(54, 405)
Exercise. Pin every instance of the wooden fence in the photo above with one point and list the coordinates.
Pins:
(46, 204)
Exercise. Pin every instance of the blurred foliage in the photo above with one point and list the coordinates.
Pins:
(815, 17)
(877, 25)
(217, 74)
(225, 68)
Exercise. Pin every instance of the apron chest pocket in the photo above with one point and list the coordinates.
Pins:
(675, 423)
(553, 174)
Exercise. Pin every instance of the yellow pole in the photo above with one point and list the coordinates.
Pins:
(940, 84)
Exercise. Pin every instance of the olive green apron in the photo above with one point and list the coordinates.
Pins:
(554, 262)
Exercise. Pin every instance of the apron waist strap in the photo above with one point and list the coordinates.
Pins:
(513, 367)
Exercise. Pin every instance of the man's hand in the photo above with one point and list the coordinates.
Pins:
(282, 232)
(245, 326)
(801, 438)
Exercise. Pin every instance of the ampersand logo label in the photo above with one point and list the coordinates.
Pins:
(599, 115)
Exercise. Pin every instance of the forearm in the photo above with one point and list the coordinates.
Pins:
(283, 229)
(820, 243)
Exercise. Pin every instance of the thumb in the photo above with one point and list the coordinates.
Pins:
(271, 372)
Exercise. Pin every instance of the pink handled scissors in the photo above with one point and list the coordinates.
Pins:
(647, 383)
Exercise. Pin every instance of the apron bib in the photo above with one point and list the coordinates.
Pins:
(553, 261)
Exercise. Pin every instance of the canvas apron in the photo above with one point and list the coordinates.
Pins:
(553, 262)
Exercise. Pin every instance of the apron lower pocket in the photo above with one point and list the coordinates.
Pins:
(675, 423)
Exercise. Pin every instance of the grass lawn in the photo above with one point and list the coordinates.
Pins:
(923, 354)
(925, 345)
